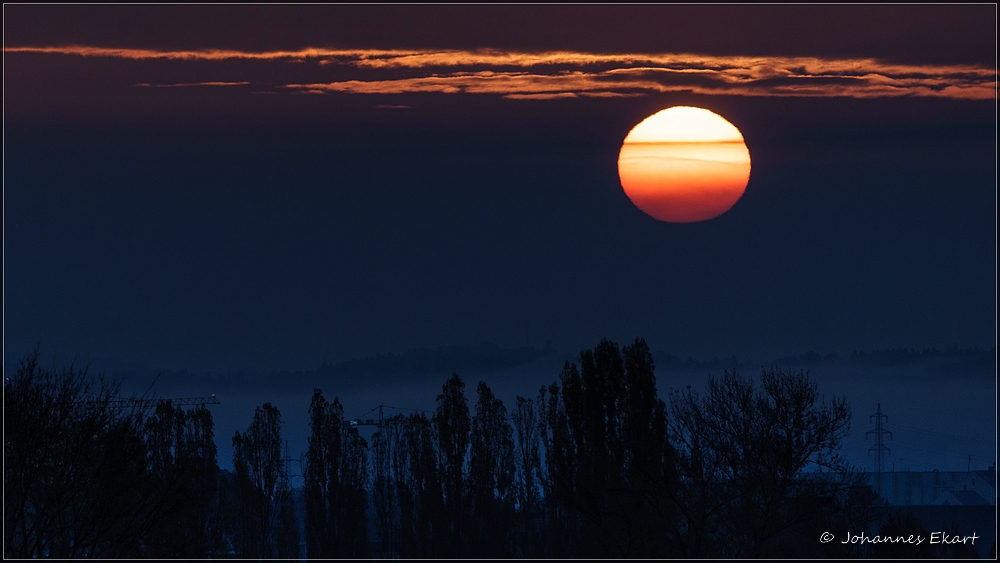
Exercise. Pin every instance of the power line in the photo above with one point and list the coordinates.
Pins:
(145, 403)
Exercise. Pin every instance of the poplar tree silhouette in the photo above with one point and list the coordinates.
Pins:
(528, 478)
(262, 493)
(182, 456)
(408, 496)
(608, 459)
(335, 494)
(452, 426)
(491, 478)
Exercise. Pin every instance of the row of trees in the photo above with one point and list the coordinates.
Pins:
(597, 465)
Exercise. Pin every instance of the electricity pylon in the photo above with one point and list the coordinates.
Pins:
(879, 448)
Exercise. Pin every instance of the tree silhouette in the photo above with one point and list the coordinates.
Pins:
(528, 477)
(336, 471)
(491, 478)
(88, 474)
(385, 489)
(407, 489)
(182, 456)
(421, 492)
(452, 425)
(262, 488)
(742, 450)
(607, 455)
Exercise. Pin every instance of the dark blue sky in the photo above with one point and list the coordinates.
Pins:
(219, 227)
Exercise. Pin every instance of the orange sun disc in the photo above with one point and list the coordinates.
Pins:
(684, 164)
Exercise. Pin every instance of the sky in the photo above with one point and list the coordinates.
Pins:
(225, 188)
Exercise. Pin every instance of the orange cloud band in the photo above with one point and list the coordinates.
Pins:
(520, 85)
(562, 74)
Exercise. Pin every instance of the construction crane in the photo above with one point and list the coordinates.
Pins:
(380, 421)
(363, 422)
(368, 421)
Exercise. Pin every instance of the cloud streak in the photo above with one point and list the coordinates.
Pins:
(568, 74)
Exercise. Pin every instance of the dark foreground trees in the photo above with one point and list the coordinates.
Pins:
(748, 469)
(407, 489)
(335, 479)
(446, 486)
(492, 489)
(597, 466)
(731, 472)
(742, 452)
(610, 467)
(89, 474)
(182, 454)
(263, 502)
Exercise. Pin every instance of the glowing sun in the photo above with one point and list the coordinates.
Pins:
(684, 164)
